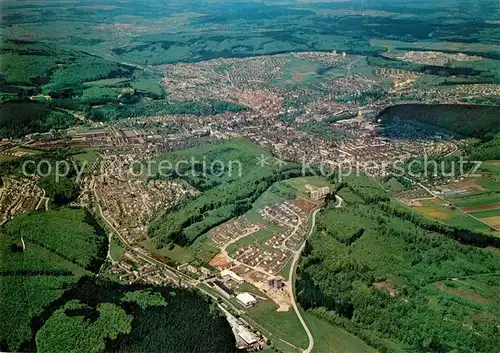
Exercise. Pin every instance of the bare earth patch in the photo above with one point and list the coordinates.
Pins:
(304, 205)
(386, 286)
(220, 261)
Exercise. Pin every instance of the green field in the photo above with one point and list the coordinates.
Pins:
(87, 158)
(116, 249)
(480, 199)
(177, 253)
(437, 210)
(300, 183)
(488, 213)
(491, 167)
(298, 72)
(107, 82)
(394, 185)
(491, 183)
(6, 158)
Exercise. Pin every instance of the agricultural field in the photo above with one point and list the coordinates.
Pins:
(469, 203)
(484, 206)
(331, 339)
(284, 325)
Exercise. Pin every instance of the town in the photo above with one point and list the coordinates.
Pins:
(296, 109)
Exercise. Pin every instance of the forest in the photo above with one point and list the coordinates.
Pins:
(229, 187)
(110, 317)
(52, 300)
(19, 118)
(482, 122)
(59, 248)
(398, 281)
(485, 150)
(61, 187)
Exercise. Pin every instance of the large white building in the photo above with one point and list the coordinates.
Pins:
(246, 299)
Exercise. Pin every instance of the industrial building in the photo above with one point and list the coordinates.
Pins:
(246, 299)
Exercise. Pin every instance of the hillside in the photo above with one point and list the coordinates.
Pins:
(399, 283)
(51, 300)
(230, 180)
(54, 259)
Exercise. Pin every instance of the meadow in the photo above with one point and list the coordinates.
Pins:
(284, 325)
(332, 339)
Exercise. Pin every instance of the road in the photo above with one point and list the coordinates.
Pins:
(291, 286)
(348, 68)
(454, 150)
(340, 200)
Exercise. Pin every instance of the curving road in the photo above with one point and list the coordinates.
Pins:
(291, 286)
